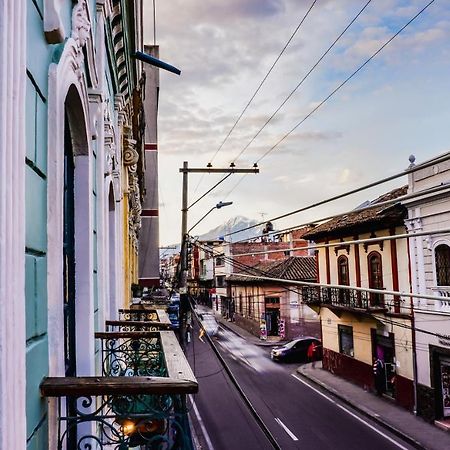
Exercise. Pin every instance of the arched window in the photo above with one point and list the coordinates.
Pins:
(442, 262)
(343, 277)
(375, 277)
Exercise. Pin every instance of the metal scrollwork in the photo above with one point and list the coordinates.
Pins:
(133, 357)
(153, 422)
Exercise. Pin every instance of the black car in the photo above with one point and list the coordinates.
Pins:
(296, 350)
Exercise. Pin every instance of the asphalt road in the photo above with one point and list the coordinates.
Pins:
(298, 415)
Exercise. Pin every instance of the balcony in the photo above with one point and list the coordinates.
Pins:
(139, 401)
(352, 299)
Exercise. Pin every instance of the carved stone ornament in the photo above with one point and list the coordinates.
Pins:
(81, 25)
(130, 155)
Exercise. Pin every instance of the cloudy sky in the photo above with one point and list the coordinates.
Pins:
(397, 105)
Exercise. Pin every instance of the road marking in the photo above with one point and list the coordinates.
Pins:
(288, 431)
(202, 425)
(351, 413)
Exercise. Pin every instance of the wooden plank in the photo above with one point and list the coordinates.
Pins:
(97, 386)
(128, 334)
(176, 362)
(163, 316)
(138, 323)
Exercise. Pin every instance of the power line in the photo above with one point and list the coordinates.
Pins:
(302, 81)
(264, 79)
(443, 157)
(259, 87)
(345, 81)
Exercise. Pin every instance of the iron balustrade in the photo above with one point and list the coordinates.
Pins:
(136, 325)
(139, 314)
(132, 353)
(119, 413)
(339, 297)
(124, 409)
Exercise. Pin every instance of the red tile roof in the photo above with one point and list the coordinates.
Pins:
(366, 220)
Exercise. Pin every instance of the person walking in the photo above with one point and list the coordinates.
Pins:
(378, 374)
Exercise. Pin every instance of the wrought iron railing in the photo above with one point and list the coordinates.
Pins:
(139, 314)
(340, 297)
(136, 325)
(140, 401)
(132, 353)
(120, 413)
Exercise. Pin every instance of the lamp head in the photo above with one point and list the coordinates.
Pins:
(222, 204)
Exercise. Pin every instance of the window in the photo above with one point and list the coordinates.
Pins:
(343, 277)
(250, 305)
(220, 261)
(345, 340)
(240, 304)
(442, 262)
(220, 281)
(375, 277)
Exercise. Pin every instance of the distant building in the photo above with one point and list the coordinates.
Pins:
(268, 308)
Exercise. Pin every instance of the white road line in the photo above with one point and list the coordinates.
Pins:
(202, 425)
(288, 431)
(351, 413)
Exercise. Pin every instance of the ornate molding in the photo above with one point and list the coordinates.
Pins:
(81, 24)
(130, 156)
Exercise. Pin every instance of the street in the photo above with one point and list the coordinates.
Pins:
(297, 414)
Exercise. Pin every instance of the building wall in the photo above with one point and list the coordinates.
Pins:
(38, 59)
(429, 212)
(298, 318)
(55, 68)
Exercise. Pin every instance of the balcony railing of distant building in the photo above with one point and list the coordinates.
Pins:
(346, 298)
(138, 401)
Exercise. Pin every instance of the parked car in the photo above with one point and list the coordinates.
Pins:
(209, 323)
(296, 350)
(173, 311)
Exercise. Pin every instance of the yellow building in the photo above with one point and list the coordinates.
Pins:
(357, 325)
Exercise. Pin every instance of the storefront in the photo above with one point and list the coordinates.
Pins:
(383, 345)
(440, 373)
(272, 315)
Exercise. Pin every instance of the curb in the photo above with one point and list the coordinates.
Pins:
(410, 440)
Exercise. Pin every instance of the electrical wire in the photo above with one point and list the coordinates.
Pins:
(259, 87)
(343, 83)
(265, 78)
(302, 81)
(443, 157)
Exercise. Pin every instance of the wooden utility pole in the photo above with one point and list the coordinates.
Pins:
(184, 299)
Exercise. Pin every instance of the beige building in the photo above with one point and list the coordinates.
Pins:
(430, 267)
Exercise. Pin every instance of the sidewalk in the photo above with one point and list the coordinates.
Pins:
(236, 329)
(399, 421)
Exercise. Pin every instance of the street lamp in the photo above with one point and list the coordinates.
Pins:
(218, 206)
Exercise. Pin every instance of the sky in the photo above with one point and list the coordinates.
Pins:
(397, 105)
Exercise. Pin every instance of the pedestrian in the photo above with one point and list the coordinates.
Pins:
(311, 354)
(378, 374)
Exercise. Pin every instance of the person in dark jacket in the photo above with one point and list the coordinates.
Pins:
(378, 374)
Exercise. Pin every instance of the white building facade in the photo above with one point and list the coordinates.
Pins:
(430, 274)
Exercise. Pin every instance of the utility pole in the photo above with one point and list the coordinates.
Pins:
(184, 299)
